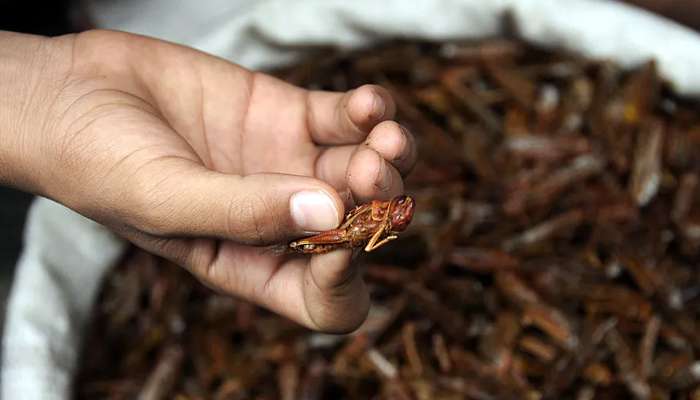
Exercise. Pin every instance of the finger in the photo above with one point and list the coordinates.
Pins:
(177, 197)
(395, 143)
(347, 118)
(324, 292)
(332, 168)
(335, 295)
(389, 139)
(358, 173)
(370, 176)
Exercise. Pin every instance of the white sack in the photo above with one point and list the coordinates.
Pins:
(264, 33)
(67, 255)
(58, 275)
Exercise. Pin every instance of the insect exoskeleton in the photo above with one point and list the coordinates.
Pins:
(302, 246)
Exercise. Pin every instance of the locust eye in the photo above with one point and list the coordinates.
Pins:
(402, 200)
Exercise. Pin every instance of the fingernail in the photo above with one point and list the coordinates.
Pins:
(378, 107)
(383, 179)
(313, 210)
(406, 144)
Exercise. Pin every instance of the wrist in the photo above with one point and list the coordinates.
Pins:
(32, 71)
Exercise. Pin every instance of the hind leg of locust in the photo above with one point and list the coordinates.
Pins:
(375, 244)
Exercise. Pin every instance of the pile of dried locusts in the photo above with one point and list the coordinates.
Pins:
(553, 253)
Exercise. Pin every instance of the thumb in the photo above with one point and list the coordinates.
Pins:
(252, 209)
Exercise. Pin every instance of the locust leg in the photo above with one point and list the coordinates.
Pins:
(352, 215)
(380, 243)
(375, 242)
(374, 208)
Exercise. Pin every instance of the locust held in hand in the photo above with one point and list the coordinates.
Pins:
(371, 225)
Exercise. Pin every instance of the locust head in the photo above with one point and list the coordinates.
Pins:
(401, 212)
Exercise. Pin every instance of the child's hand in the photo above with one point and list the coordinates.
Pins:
(200, 161)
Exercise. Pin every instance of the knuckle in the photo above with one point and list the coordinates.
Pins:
(250, 219)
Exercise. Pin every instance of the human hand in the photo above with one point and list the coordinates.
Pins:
(201, 161)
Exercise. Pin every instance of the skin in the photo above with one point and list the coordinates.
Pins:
(197, 160)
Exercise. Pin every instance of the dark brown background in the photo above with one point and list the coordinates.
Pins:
(63, 16)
